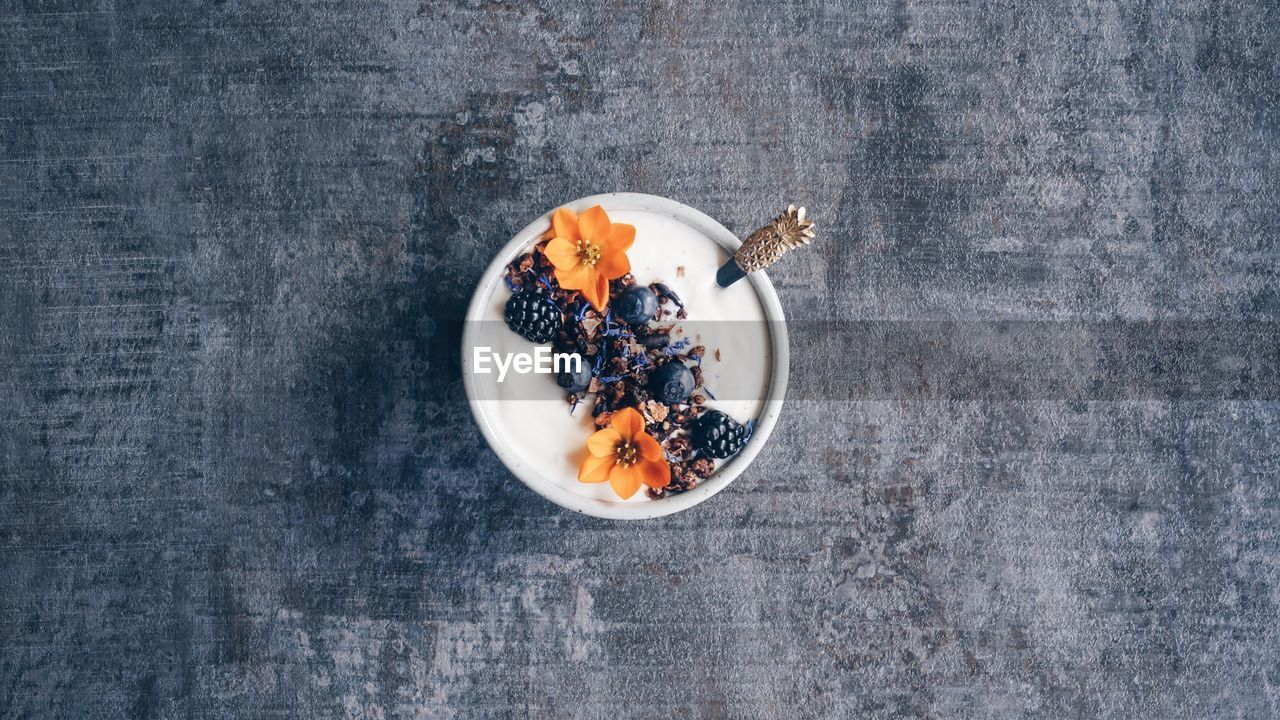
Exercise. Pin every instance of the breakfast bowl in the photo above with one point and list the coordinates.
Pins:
(733, 337)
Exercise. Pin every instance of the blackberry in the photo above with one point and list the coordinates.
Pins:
(718, 435)
(533, 316)
(672, 383)
(637, 304)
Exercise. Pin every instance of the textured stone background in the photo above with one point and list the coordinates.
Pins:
(238, 478)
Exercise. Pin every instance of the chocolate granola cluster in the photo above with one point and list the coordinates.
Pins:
(621, 357)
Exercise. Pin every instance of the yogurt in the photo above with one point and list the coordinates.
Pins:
(528, 413)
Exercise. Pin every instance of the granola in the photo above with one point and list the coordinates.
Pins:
(621, 357)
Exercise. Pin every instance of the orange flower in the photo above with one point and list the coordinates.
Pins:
(625, 455)
(588, 251)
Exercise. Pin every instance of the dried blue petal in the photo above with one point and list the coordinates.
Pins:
(616, 331)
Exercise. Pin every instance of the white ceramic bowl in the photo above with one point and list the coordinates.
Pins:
(481, 312)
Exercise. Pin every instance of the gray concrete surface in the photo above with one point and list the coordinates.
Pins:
(238, 477)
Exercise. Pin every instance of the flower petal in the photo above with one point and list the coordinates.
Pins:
(594, 225)
(654, 474)
(604, 443)
(621, 237)
(562, 253)
(628, 423)
(602, 290)
(564, 223)
(578, 277)
(625, 480)
(613, 263)
(595, 469)
(594, 287)
(648, 447)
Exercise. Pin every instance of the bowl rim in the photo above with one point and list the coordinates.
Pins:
(623, 510)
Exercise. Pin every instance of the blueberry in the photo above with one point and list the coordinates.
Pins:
(575, 380)
(637, 304)
(672, 383)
